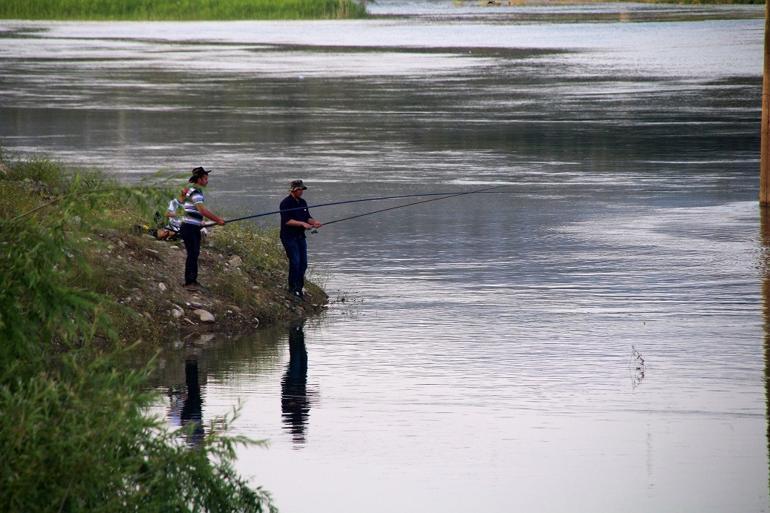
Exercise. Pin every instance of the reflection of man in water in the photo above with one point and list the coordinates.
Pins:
(295, 404)
(192, 413)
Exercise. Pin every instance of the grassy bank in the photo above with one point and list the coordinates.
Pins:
(179, 9)
(79, 243)
(77, 285)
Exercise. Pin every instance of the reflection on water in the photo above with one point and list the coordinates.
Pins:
(295, 400)
(512, 11)
(185, 408)
(192, 410)
(246, 361)
(764, 224)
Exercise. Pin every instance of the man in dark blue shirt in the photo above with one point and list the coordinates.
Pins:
(295, 219)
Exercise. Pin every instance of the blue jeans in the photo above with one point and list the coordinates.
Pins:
(296, 250)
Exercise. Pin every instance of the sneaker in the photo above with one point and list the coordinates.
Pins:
(194, 286)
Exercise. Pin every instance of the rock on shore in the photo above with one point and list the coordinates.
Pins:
(146, 276)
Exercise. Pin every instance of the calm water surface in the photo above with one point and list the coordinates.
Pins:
(488, 352)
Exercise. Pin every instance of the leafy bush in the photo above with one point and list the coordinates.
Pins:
(75, 438)
(74, 433)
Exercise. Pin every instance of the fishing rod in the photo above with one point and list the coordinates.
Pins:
(454, 195)
(345, 202)
(59, 198)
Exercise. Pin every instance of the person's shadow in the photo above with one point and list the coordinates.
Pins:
(192, 407)
(295, 400)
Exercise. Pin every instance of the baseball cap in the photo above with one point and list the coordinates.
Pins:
(297, 184)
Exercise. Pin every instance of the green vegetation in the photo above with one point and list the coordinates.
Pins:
(180, 9)
(75, 434)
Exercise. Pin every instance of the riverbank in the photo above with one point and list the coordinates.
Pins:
(78, 235)
(143, 10)
(144, 276)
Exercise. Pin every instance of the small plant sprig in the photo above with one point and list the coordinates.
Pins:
(637, 361)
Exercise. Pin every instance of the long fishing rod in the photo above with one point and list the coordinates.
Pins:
(408, 205)
(59, 198)
(345, 202)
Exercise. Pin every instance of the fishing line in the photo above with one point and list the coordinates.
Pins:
(346, 202)
(408, 205)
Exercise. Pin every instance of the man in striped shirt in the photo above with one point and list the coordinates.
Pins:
(194, 212)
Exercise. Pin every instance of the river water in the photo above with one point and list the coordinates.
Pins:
(589, 337)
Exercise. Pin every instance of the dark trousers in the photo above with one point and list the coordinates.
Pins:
(191, 235)
(296, 250)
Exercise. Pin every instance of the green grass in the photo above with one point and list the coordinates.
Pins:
(180, 9)
(74, 431)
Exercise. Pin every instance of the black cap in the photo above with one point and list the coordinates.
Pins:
(297, 184)
(198, 172)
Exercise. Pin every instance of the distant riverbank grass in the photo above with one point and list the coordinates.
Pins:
(180, 9)
(74, 433)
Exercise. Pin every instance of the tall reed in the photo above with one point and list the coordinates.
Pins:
(180, 9)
